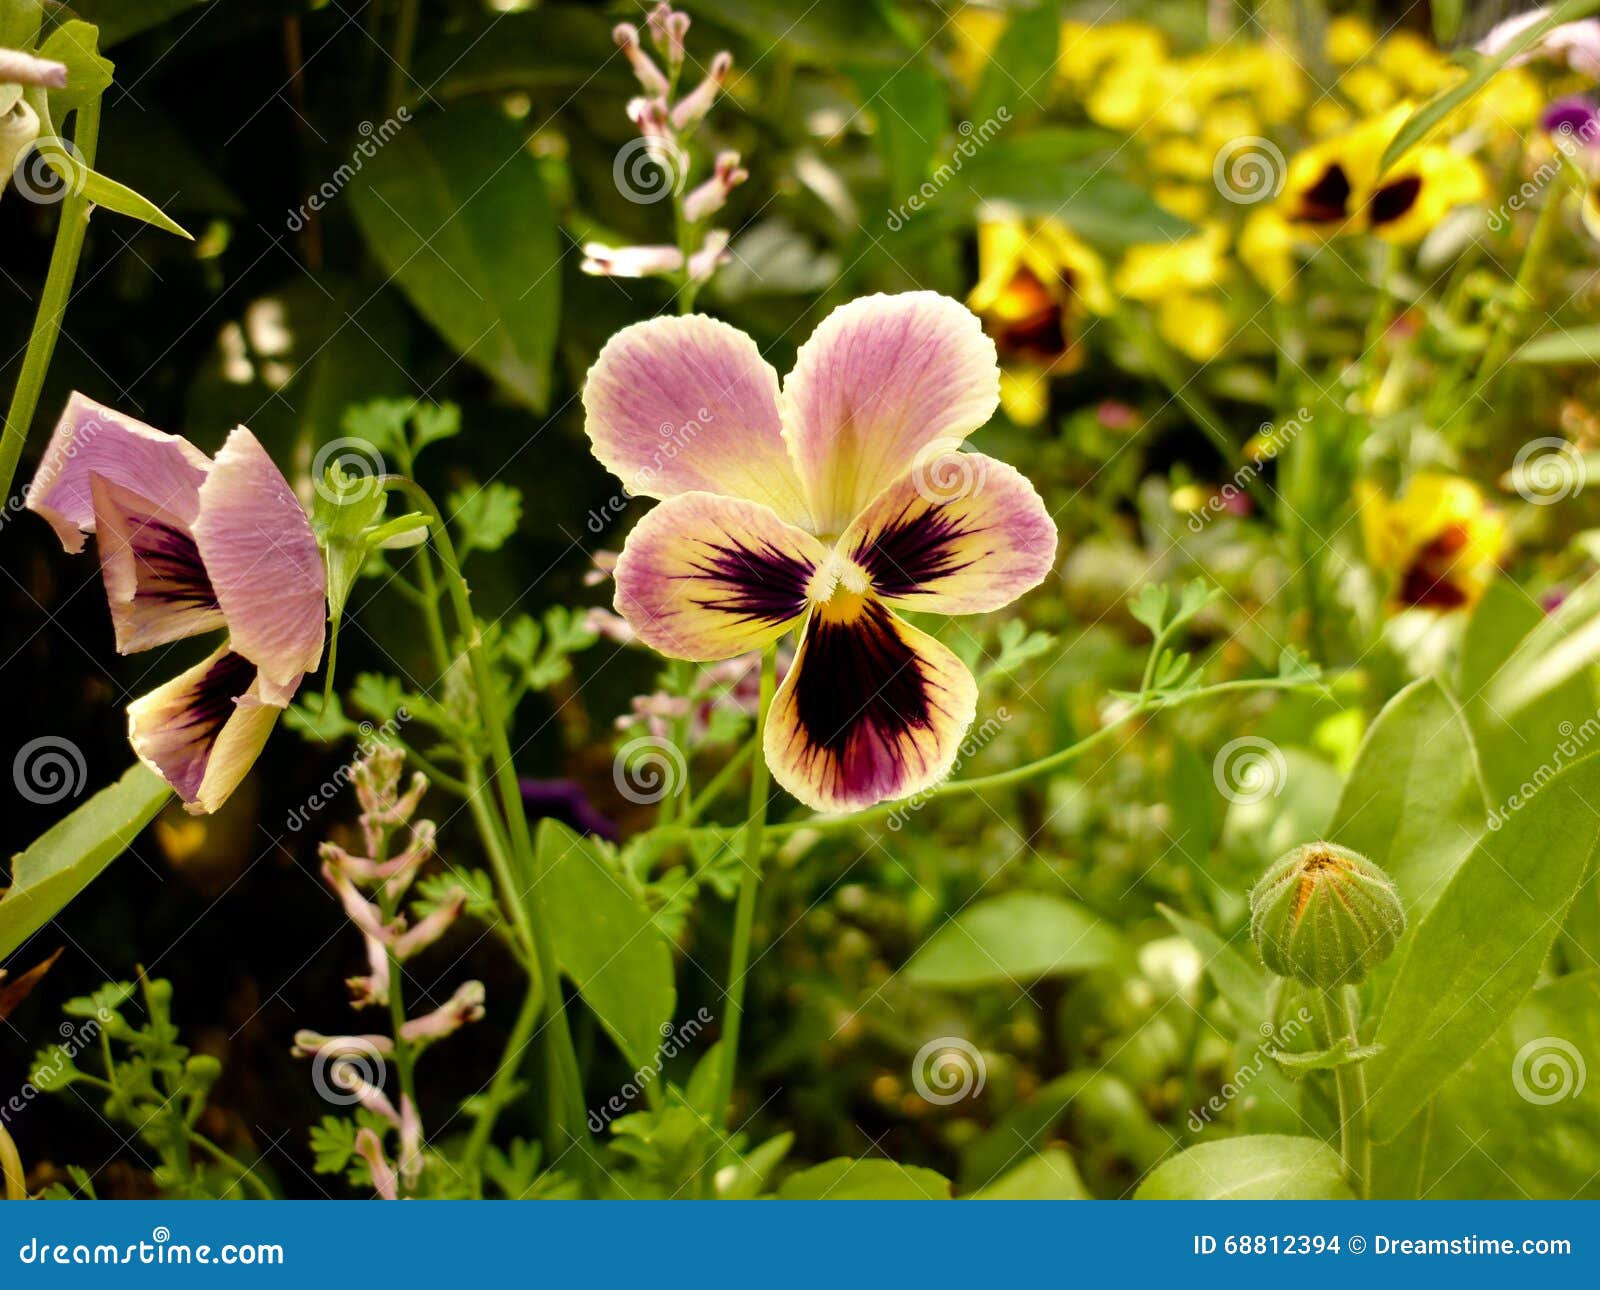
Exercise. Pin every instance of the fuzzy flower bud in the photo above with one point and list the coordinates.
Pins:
(644, 67)
(668, 27)
(1325, 915)
(691, 109)
(370, 1149)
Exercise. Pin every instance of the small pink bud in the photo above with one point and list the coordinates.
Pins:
(691, 109)
(308, 1043)
(610, 626)
(713, 251)
(361, 911)
(464, 1007)
(630, 261)
(410, 1141)
(603, 564)
(649, 115)
(371, 991)
(370, 1149)
(645, 70)
(668, 27)
(710, 196)
(430, 929)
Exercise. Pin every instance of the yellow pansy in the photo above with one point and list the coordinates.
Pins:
(1419, 190)
(1153, 270)
(976, 30)
(1178, 157)
(1326, 118)
(1186, 201)
(1088, 49)
(1126, 96)
(1439, 544)
(1195, 325)
(1328, 183)
(1035, 284)
(1370, 89)
(1348, 39)
(1266, 249)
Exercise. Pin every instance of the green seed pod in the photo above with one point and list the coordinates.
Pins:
(1325, 915)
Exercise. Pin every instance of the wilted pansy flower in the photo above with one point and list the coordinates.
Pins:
(191, 544)
(825, 508)
(1439, 544)
(1035, 285)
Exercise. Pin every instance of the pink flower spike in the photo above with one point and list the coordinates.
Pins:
(361, 911)
(465, 1006)
(710, 196)
(430, 929)
(370, 1149)
(630, 261)
(649, 75)
(691, 109)
(371, 991)
(713, 252)
(668, 28)
(18, 68)
(650, 116)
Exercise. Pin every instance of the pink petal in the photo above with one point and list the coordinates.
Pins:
(90, 440)
(878, 381)
(871, 710)
(204, 729)
(155, 579)
(962, 534)
(678, 405)
(263, 561)
(704, 577)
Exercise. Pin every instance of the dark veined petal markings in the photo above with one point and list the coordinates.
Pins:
(917, 547)
(190, 732)
(761, 584)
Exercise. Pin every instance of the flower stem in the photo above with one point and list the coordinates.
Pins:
(1340, 1016)
(70, 230)
(246, 1176)
(749, 887)
(505, 1076)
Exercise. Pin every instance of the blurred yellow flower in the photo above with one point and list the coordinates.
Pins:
(1153, 270)
(1266, 248)
(1036, 282)
(1328, 182)
(1089, 49)
(975, 29)
(1195, 325)
(1416, 63)
(1348, 39)
(1369, 89)
(1186, 201)
(1420, 189)
(1439, 544)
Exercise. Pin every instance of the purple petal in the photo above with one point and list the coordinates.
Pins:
(565, 800)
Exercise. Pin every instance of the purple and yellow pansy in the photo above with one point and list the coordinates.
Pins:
(823, 506)
(191, 544)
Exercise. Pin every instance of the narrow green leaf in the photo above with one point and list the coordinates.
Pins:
(1556, 649)
(1414, 803)
(1253, 1167)
(846, 1179)
(69, 855)
(605, 941)
(912, 113)
(1016, 80)
(122, 199)
(1013, 939)
(454, 208)
(1568, 345)
(1470, 962)
(1446, 20)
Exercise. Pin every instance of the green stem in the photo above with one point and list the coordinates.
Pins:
(1340, 1014)
(405, 43)
(745, 911)
(231, 1162)
(718, 782)
(505, 1076)
(70, 230)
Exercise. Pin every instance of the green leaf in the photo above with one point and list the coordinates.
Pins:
(1467, 965)
(70, 854)
(846, 1179)
(913, 116)
(744, 1178)
(1263, 1166)
(1050, 1175)
(1566, 345)
(1414, 803)
(1446, 20)
(1013, 939)
(454, 208)
(605, 941)
(1018, 76)
(77, 44)
(485, 515)
(820, 32)
(1480, 72)
(122, 199)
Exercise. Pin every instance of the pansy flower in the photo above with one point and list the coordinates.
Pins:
(191, 544)
(825, 508)
(1035, 286)
(1439, 544)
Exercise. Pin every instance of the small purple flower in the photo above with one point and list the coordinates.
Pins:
(191, 544)
(565, 800)
(1573, 117)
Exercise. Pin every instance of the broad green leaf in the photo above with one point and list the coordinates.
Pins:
(1522, 1118)
(1013, 939)
(846, 1179)
(70, 854)
(605, 942)
(1019, 75)
(1566, 345)
(1414, 802)
(19, 23)
(1239, 979)
(119, 19)
(1050, 1175)
(561, 47)
(1480, 71)
(913, 117)
(455, 210)
(1467, 965)
(77, 44)
(1553, 703)
(1253, 1167)
(747, 1174)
